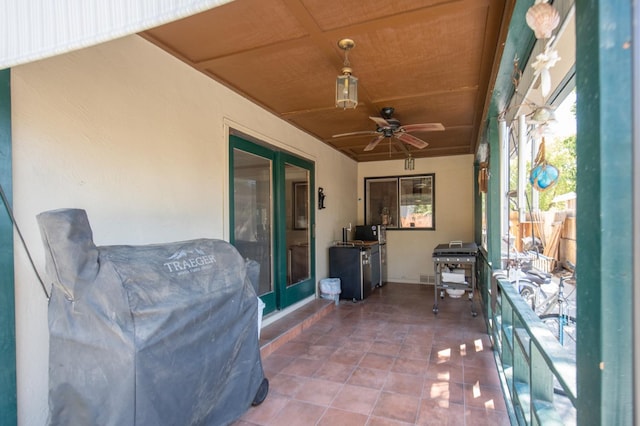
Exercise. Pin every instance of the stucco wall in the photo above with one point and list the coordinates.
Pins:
(139, 140)
(409, 251)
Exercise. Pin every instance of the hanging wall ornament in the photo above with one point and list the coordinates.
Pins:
(483, 178)
(542, 18)
(545, 61)
(543, 175)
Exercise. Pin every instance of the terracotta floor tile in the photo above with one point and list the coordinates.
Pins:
(334, 371)
(443, 391)
(432, 413)
(292, 348)
(377, 361)
(368, 377)
(397, 407)
(483, 375)
(298, 413)
(332, 339)
(302, 367)
(416, 367)
(382, 421)
(317, 391)
(265, 412)
(423, 340)
(445, 371)
(309, 337)
(357, 345)
(356, 398)
(273, 364)
(415, 351)
(484, 359)
(335, 417)
(384, 348)
(446, 353)
(478, 417)
(347, 356)
(404, 383)
(489, 398)
(285, 384)
(319, 352)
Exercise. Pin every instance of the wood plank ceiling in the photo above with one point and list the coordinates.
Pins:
(431, 60)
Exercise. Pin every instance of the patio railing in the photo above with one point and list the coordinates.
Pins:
(538, 374)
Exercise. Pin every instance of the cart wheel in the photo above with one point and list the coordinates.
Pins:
(474, 314)
(262, 392)
(441, 294)
(435, 309)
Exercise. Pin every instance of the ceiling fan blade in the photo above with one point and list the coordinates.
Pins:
(381, 122)
(411, 140)
(373, 143)
(424, 127)
(364, 132)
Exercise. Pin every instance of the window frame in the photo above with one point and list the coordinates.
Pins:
(396, 190)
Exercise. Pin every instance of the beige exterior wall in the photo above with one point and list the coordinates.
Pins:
(409, 252)
(139, 140)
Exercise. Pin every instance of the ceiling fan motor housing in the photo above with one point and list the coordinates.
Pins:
(387, 112)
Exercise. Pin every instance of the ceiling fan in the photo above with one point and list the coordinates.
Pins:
(389, 127)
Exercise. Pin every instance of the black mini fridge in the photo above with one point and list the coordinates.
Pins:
(352, 264)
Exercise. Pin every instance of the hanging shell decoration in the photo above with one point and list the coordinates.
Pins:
(543, 175)
(542, 18)
(545, 61)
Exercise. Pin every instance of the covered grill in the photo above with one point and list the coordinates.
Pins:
(161, 334)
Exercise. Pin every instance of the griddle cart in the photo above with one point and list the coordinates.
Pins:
(455, 268)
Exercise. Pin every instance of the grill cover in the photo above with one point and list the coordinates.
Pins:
(161, 334)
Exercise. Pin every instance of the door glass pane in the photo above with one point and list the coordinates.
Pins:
(298, 232)
(253, 216)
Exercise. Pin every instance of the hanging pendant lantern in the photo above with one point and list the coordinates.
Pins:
(346, 84)
(409, 163)
(542, 18)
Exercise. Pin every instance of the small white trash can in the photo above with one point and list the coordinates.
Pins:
(330, 289)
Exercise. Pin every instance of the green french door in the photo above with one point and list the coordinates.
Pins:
(272, 219)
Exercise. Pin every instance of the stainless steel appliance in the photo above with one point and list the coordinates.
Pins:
(455, 255)
(376, 233)
(352, 264)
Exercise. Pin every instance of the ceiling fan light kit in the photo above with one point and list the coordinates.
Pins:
(346, 84)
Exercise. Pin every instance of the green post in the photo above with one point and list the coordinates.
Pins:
(605, 212)
(8, 401)
(494, 196)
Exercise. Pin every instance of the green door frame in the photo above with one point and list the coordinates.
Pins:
(236, 142)
(8, 402)
(282, 296)
(294, 293)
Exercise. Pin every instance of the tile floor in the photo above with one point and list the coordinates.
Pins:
(387, 360)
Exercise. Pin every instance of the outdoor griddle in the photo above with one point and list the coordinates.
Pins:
(455, 268)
